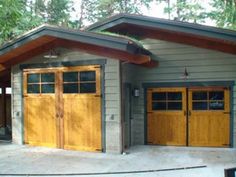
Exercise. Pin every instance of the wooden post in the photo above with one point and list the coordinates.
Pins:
(4, 115)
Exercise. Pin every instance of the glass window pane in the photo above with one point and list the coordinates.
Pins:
(159, 96)
(174, 95)
(199, 105)
(158, 106)
(216, 105)
(87, 88)
(47, 77)
(70, 88)
(174, 105)
(216, 95)
(87, 76)
(70, 77)
(47, 88)
(200, 95)
(33, 88)
(33, 78)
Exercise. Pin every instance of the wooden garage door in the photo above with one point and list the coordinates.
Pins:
(209, 117)
(166, 116)
(64, 110)
(40, 108)
(199, 118)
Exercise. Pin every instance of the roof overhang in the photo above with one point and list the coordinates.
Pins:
(46, 37)
(169, 30)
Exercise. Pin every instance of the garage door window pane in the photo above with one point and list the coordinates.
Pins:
(159, 96)
(216, 105)
(48, 88)
(199, 105)
(33, 88)
(158, 106)
(87, 76)
(47, 77)
(174, 96)
(70, 88)
(217, 95)
(200, 95)
(70, 77)
(33, 78)
(87, 88)
(174, 105)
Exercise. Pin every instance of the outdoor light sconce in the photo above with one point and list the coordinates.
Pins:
(52, 54)
(136, 92)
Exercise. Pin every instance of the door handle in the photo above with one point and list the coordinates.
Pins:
(189, 113)
(185, 113)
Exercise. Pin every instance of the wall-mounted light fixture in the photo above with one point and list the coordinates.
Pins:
(136, 92)
(185, 75)
(52, 54)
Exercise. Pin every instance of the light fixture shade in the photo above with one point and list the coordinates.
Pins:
(136, 92)
(51, 54)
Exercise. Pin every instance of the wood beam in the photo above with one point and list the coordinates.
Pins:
(32, 53)
(2, 67)
(4, 115)
(107, 52)
(143, 32)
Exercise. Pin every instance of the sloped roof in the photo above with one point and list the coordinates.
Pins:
(169, 30)
(46, 37)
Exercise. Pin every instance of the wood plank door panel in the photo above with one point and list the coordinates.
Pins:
(209, 117)
(82, 108)
(166, 116)
(82, 122)
(40, 109)
(40, 121)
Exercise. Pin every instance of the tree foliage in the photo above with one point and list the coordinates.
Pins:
(224, 13)
(186, 11)
(93, 11)
(11, 12)
(18, 16)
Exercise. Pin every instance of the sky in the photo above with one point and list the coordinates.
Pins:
(156, 10)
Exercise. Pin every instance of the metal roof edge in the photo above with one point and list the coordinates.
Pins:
(154, 22)
(119, 43)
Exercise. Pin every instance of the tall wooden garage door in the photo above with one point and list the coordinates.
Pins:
(188, 116)
(62, 107)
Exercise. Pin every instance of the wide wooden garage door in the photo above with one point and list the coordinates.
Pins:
(63, 107)
(188, 116)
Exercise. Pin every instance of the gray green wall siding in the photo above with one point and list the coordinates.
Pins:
(201, 64)
(111, 95)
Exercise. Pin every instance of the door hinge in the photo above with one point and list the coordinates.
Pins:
(97, 66)
(225, 144)
(98, 95)
(227, 112)
(98, 150)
